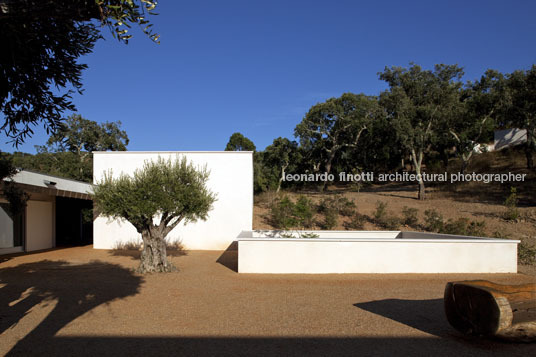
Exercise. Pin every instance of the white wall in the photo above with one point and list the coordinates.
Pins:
(324, 256)
(6, 229)
(509, 137)
(231, 178)
(39, 225)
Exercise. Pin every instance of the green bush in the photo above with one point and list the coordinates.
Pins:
(526, 254)
(287, 214)
(331, 219)
(476, 229)
(463, 226)
(512, 213)
(410, 216)
(339, 203)
(381, 211)
(391, 223)
(433, 221)
(357, 222)
(383, 219)
(282, 213)
(303, 212)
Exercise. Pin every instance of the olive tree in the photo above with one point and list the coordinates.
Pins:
(155, 199)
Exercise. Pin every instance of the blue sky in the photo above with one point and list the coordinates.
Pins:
(256, 68)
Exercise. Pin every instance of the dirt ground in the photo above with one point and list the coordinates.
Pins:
(80, 301)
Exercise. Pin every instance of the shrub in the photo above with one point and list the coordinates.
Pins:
(303, 212)
(381, 211)
(463, 226)
(526, 254)
(391, 223)
(410, 216)
(330, 219)
(433, 221)
(357, 222)
(339, 203)
(287, 214)
(282, 213)
(512, 213)
(383, 219)
(476, 229)
(457, 227)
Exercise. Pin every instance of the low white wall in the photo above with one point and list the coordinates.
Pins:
(39, 225)
(231, 178)
(323, 256)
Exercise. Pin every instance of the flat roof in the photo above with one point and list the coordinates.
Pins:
(53, 184)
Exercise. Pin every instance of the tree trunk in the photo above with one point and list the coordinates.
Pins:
(283, 168)
(481, 307)
(328, 169)
(464, 165)
(153, 256)
(418, 164)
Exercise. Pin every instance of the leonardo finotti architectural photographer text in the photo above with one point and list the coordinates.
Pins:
(406, 177)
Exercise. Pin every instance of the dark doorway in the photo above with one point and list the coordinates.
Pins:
(74, 221)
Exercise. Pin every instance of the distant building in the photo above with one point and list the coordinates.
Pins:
(59, 212)
(509, 137)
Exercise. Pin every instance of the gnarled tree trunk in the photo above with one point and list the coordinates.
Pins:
(153, 256)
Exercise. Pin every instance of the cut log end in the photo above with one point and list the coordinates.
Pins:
(484, 308)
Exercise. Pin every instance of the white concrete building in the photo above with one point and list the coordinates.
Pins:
(53, 215)
(231, 179)
(509, 137)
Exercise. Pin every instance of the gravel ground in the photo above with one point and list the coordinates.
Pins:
(80, 301)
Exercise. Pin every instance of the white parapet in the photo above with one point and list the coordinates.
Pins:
(231, 179)
(374, 252)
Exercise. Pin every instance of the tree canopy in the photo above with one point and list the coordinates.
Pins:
(335, 124)
(166, 191)
(41, 42)
(238, 142)
(417, 102)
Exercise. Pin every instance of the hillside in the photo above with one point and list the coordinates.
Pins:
(475, 201)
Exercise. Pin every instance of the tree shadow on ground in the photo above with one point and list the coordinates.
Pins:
(429, 316)
(424, 315)
(229, 257)
(271, 346)
(75, 290)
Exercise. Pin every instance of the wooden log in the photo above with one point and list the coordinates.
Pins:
(480, 307)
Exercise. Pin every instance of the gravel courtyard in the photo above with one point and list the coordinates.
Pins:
(80, 301)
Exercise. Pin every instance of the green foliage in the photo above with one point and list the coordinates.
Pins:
(282, 213)
(41, 43)
(512, 212)
(417, 102)
(286, 214)
(331, 219)
(357, 222)
(14, 195)
(410, 216)
(463, 226)
(433, 221)
(383, 219)
(174, 190)
(526, 254)
(78, 134)
(303, 211)
(381, 211)
(333, 125)
(519, 107)
(338, 203)
(238, 142)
